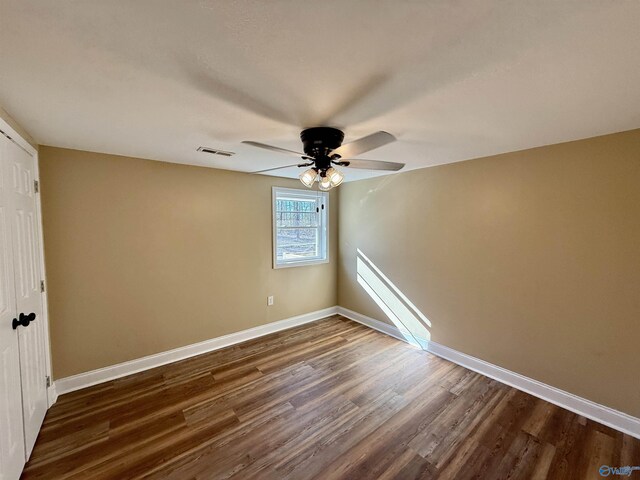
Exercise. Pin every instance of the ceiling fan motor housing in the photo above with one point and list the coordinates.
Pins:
(318, 142)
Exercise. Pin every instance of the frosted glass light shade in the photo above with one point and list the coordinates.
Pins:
(335, 176)
(307, 178)
(325, 183)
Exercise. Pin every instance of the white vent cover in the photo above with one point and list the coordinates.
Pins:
(215, 151)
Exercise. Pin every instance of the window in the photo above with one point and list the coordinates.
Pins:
(299, 227)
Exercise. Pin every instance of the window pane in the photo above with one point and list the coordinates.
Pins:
(290, 204)
(296, 213)
(299, 223)
(297, 244)
(297, 219)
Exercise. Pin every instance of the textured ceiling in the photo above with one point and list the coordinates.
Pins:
(452, 80)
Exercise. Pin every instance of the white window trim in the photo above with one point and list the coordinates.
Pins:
(324, 231)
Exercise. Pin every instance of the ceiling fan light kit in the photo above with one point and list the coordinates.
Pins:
(327, 179)
(323, 148)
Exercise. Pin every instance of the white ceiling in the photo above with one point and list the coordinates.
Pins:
(452, 80)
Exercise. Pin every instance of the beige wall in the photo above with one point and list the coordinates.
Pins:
(528, 260)
(145, 256)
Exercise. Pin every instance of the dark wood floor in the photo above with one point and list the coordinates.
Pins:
(328, 400)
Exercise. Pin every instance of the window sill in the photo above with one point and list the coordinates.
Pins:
(300, 264)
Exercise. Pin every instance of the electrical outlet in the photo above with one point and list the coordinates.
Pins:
(270, 300)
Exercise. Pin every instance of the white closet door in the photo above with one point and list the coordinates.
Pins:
(20, 169)
(12, 447)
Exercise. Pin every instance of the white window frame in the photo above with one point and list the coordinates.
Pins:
(323, 199)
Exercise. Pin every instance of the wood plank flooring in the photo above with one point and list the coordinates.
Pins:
(328, 400)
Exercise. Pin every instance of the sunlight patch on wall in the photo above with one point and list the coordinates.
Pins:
(406, 317)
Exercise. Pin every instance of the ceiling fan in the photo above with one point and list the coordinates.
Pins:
(323, 149)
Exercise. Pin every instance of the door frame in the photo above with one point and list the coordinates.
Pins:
(26, 146)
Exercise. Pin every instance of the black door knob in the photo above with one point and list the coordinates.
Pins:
(23, 320)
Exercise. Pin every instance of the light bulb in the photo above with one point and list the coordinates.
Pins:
(335, 176)
(307, 178)
(325, 183)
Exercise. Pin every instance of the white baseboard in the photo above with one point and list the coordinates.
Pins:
(87, 379)
(52, 395)
(599, 413)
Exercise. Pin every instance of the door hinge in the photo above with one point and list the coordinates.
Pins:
(36, 186)
(41, 286)
(48, 381)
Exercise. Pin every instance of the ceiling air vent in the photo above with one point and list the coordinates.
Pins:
(215, 151)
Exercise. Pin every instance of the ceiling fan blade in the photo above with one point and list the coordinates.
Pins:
(370, 164)
(276, 149)
(363, 144)
(284, 166)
